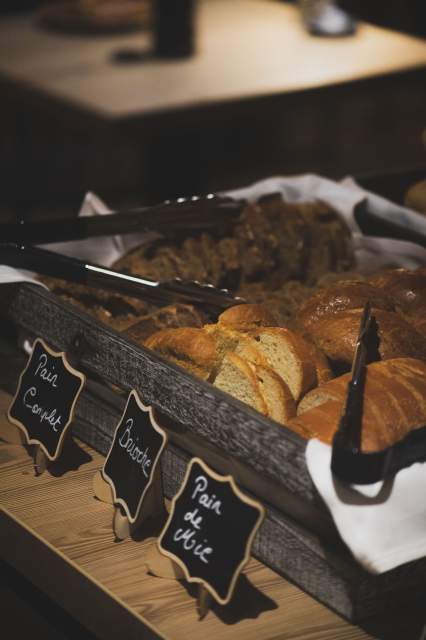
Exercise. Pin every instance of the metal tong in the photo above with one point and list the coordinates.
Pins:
(74, 270)
(194, 214)
(348, 462)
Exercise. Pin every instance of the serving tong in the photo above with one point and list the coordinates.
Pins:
(191, 215)
(58, 265)
(348, 462)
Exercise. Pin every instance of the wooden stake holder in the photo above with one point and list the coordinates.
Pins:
(13, 435)
(153, 505)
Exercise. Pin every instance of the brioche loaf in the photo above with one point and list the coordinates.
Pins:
(246, 317)
(191, 348)
(394, 404)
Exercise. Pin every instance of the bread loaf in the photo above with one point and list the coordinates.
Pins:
(394, 404)
(407, 290)
(331, 318)
(192, 349)
(246, 317)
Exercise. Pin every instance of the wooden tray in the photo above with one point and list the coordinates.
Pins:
(298, 537)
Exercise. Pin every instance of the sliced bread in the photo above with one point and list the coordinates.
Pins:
(289, 356)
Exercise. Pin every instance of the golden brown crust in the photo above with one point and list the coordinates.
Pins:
(394, 404)
(190, 348)
(246, 317)
(336, 336)
(341, 297)
(407, 289)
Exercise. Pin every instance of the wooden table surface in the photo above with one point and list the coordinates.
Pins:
(59, 536)
(245, 48)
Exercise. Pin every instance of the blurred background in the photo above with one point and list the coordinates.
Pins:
(139, 100)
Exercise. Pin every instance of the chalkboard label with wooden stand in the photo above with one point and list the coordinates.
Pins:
(44, 402)
(210, 529)
(132, 459)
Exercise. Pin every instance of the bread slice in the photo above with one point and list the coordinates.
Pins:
(288, 355)
(236, 377)
(190, 348)
(242, 344)
(279, 401)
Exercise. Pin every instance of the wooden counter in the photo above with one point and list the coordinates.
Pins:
(59, 536)
(245, 49)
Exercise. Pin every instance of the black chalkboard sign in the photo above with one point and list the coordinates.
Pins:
(210, 529)
(136, 448)
(44, 402)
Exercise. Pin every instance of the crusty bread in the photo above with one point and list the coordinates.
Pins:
(394, 404)
(236, 377)
(331, 317)
(336, 336)
(408, 291)
(406, 288)
(279, 401)
(342, 296)
(246, 317)
(191, 348)
(288, 355)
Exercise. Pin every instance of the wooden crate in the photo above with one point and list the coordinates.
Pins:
(298, 537)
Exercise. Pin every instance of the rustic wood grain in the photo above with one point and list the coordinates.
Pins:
(61, 515)
(290, 549)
